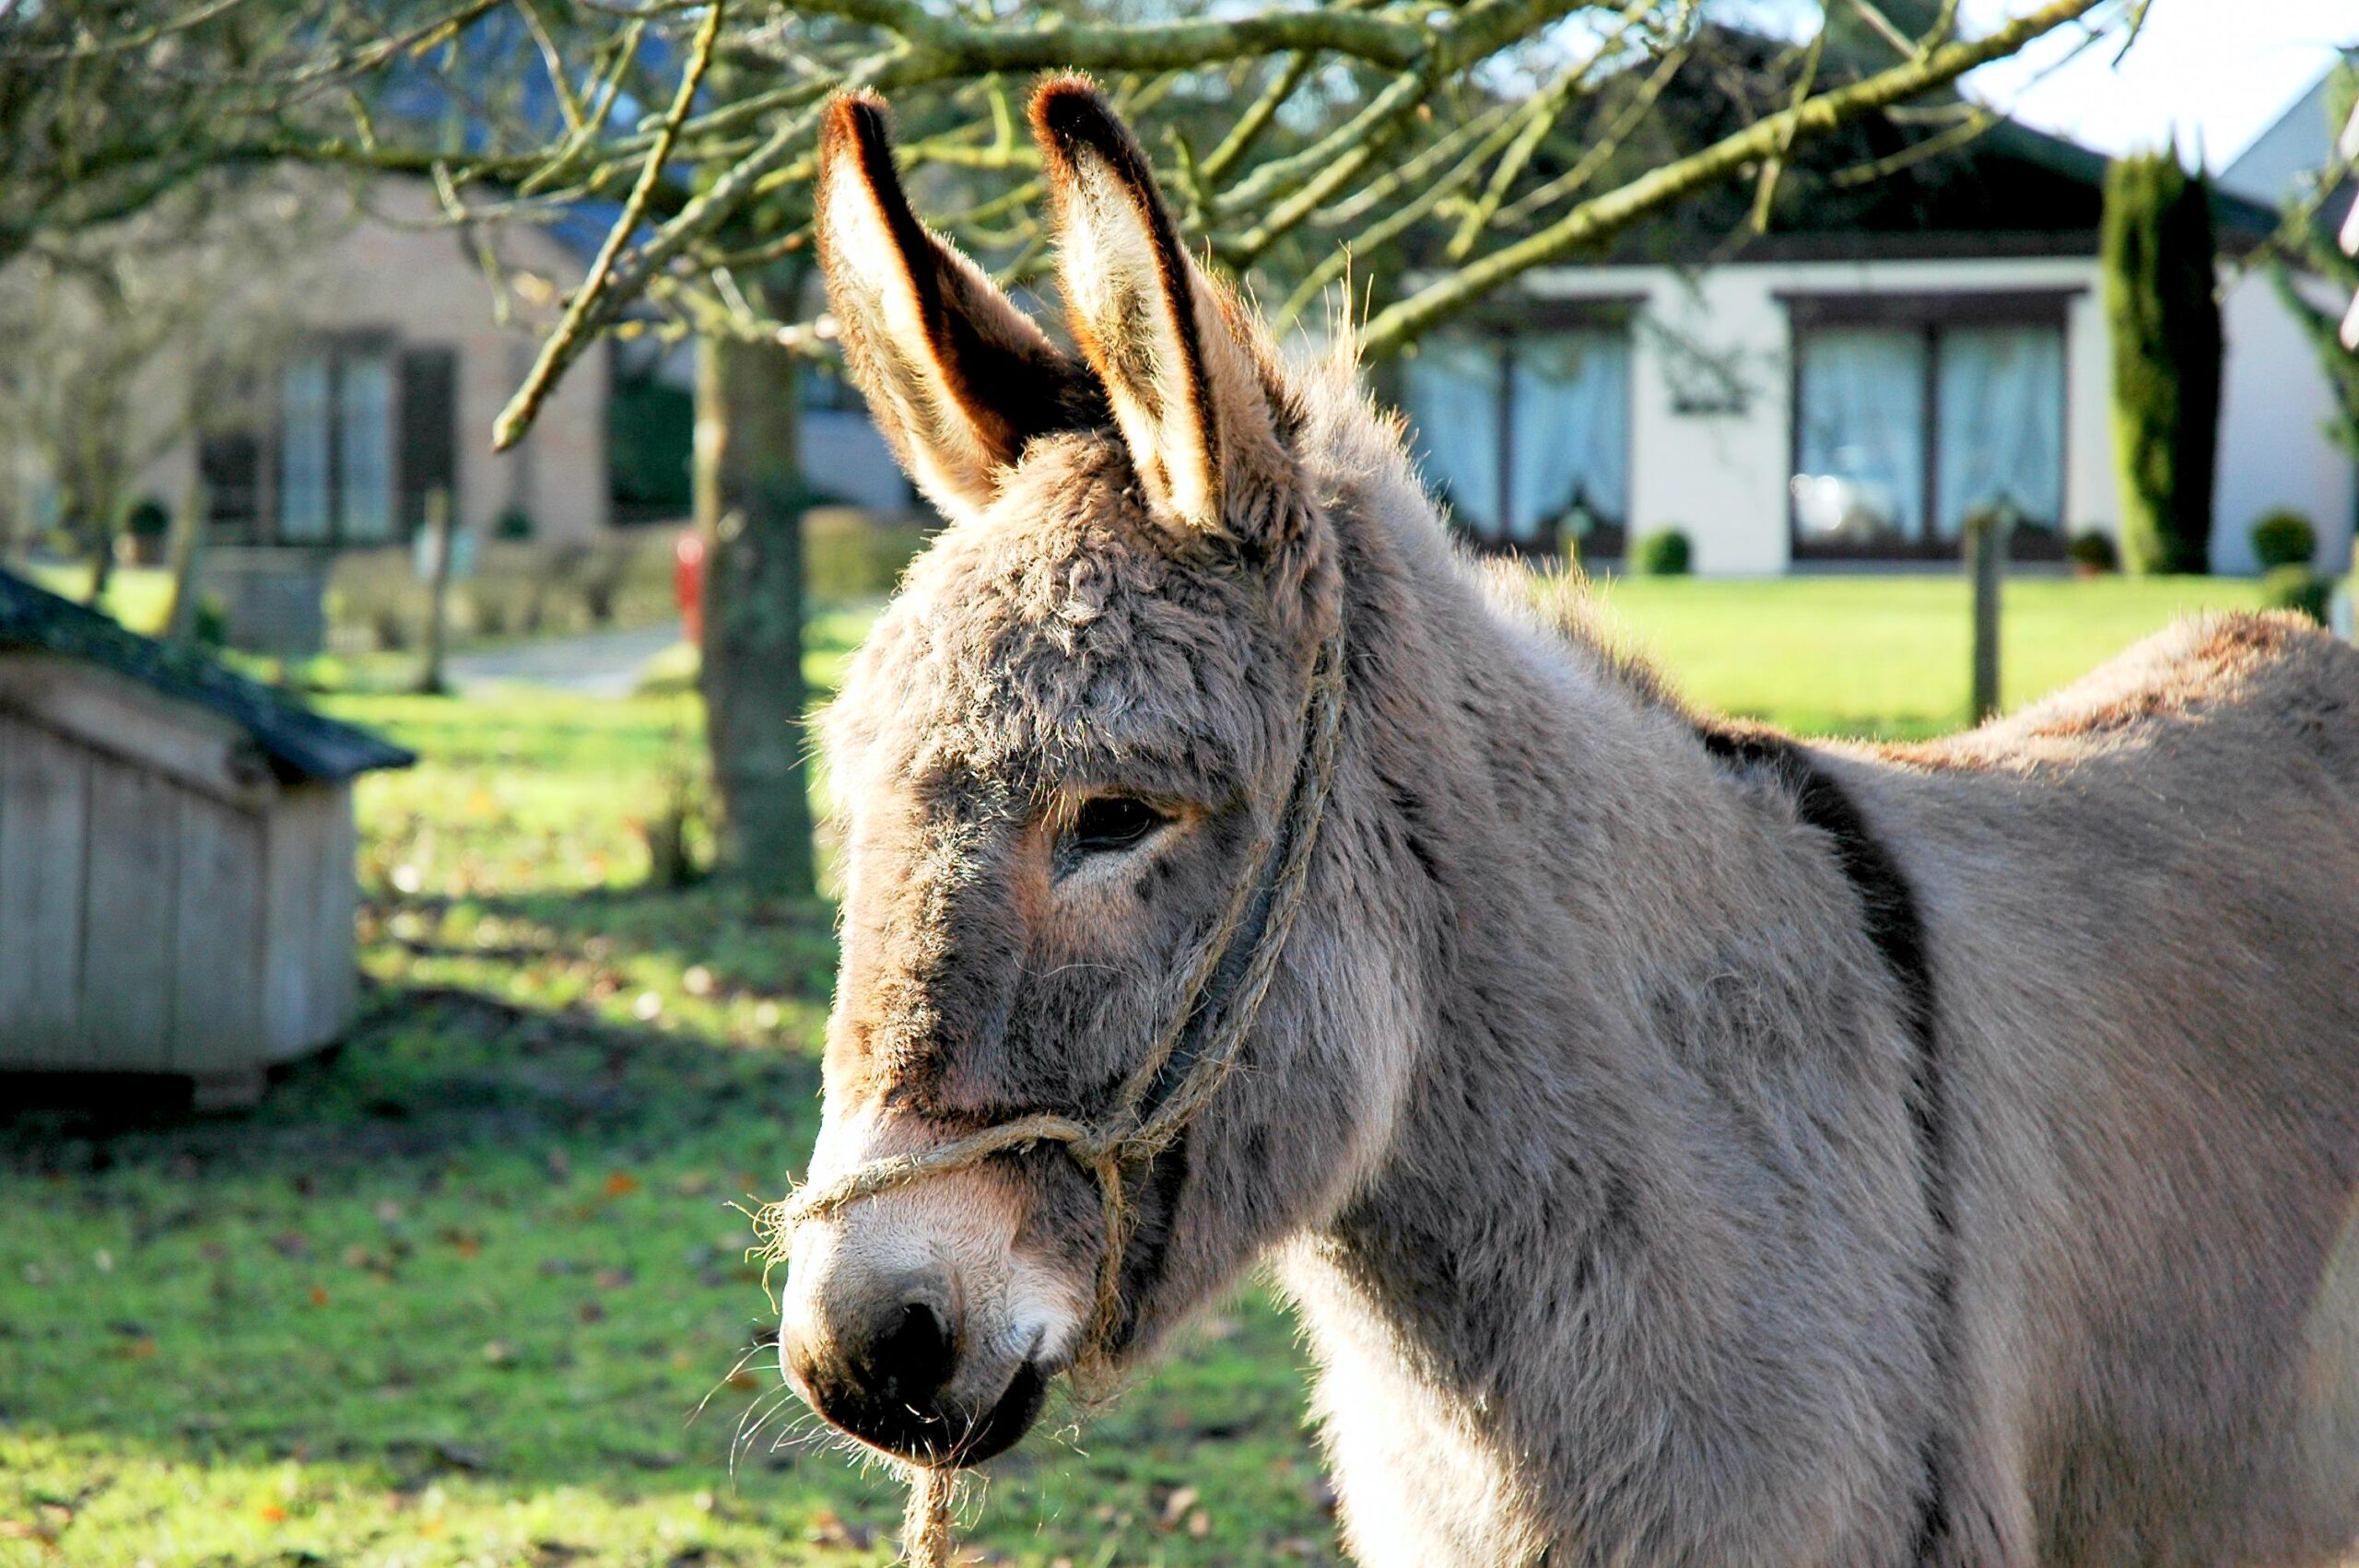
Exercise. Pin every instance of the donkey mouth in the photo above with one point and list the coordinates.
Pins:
(945, 1436)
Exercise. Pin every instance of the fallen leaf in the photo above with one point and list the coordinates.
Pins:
(828, 1528)
(1177, 1505)
(621, 1183)
(319, 1295)
(272, 1514)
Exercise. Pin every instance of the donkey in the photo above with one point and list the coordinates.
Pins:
(1683, 1145)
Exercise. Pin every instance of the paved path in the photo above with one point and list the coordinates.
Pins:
(597, 664)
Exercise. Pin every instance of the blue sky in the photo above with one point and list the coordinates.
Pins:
(2221, 69)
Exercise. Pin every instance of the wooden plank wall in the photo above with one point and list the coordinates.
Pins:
(218, 993)
(44, 798)
(130, 909)
(149, 927)
(309, 982)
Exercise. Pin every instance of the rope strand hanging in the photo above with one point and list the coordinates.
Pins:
(1153, 1108)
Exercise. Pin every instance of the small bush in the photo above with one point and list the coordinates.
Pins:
(2296, 588)
(150, 518)
(2285, 539)
(2093, 552)
(1664, 553)
(514, 522)
(849, 554)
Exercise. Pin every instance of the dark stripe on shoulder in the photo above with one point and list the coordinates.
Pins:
(1896, 927)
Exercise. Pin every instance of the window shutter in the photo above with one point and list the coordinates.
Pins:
(229, 462)
(429, 458)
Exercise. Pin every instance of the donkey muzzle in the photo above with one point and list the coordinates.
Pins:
(889, 1363)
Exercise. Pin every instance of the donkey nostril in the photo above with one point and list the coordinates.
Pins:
(913, 1356)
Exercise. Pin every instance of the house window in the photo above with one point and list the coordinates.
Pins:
(306, 479)
(1912, 415)
(364, 448)
(340, 447)
(1525, 436)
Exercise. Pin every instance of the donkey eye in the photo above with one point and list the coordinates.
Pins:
(1114, 821)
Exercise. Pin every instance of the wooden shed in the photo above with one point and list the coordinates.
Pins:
(176, 856)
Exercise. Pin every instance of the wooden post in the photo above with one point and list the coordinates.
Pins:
(187, 541)
(437, 534)
(1986, 554)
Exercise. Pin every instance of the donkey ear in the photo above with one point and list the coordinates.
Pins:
(957, 377)
(1180, 372)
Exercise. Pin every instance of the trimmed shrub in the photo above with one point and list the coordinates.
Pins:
(2093, 552)
(2285, 539)
(2296, 588)
(144, 528)
(623, 578)
(849, 554)
(2159, 273)
(513, 523)
(1666, 552)
(148, 519)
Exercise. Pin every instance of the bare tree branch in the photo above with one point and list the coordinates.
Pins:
(1602, 215)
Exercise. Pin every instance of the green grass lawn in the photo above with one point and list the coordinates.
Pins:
(1888, 656)
(137, 596)
(455, 1295)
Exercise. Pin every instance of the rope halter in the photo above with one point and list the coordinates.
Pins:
(1191, 1058)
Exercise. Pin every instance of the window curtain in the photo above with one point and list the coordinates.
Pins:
(1571, 461)
(1860, 463)
(1452, 388)
(365, 443)
(2000, 425)
(305, 426)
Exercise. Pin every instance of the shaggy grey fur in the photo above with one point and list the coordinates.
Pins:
(1579, 1124)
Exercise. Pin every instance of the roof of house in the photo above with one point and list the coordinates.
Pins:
(299, 741)
(2281, 164)
(1936, 178)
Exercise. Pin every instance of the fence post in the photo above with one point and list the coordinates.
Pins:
(438, 536)
(1986, 554)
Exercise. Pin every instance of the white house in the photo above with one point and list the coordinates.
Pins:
(1848, 387)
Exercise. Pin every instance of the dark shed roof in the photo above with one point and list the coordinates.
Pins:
(300, 743)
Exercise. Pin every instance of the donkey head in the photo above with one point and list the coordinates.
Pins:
(1057, 755)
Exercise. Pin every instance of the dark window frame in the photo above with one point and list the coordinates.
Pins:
(1933, 315)
(263, 520)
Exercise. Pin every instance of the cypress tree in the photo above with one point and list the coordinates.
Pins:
(2163, 309)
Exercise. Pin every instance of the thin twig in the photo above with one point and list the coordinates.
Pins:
(589, 298)
(1602, 215)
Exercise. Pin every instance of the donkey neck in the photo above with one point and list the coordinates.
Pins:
(1638, 1054)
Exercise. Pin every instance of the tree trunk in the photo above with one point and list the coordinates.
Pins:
(749, 509)
(187, 543)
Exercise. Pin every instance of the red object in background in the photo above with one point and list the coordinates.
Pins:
(687, 584)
